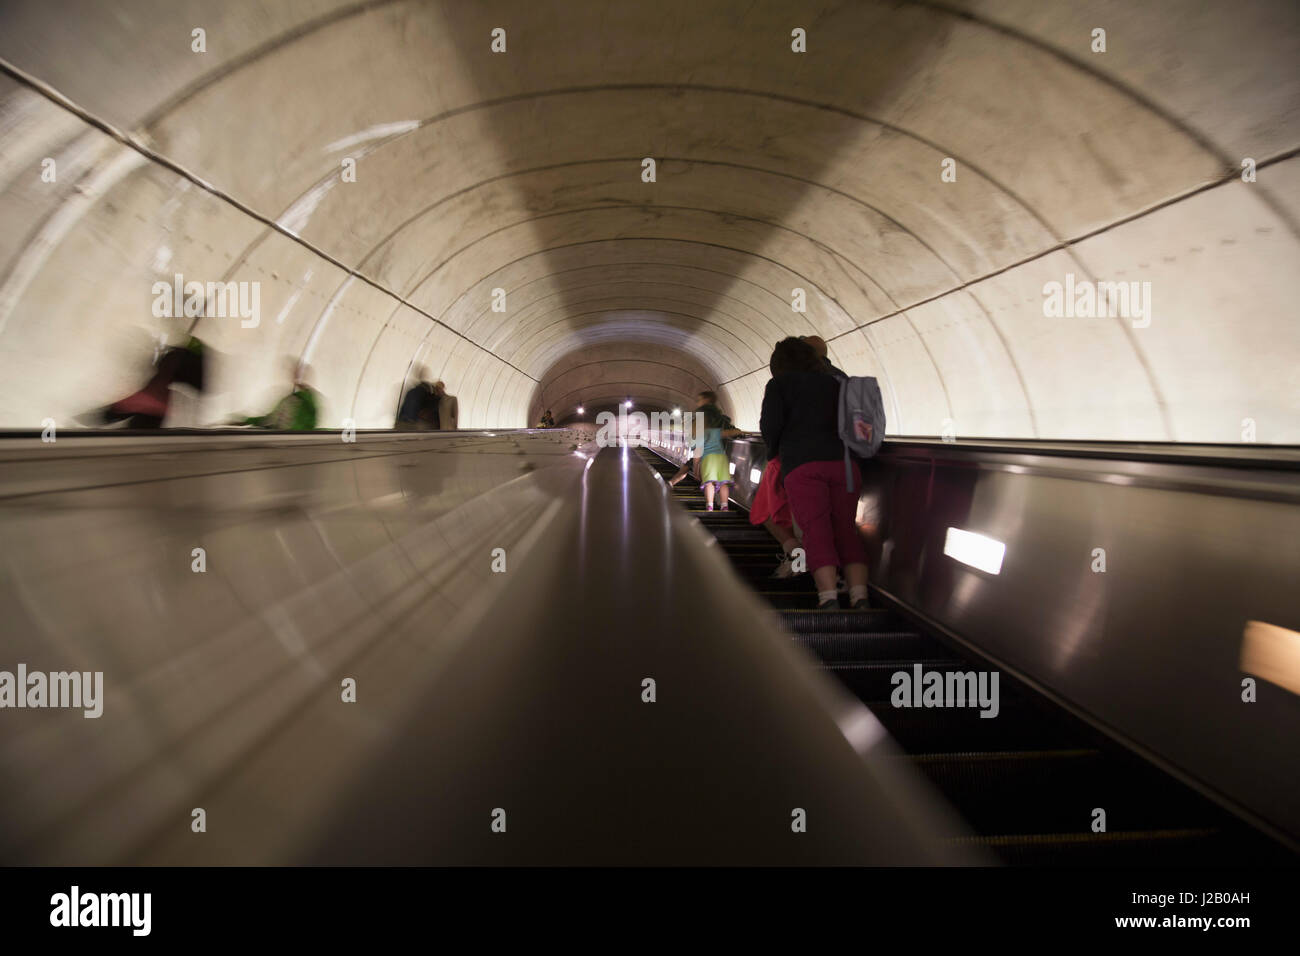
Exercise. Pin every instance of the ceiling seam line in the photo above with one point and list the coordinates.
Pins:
(130, 142)
(1061, 246)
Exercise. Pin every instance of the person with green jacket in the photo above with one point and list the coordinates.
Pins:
(296, 412)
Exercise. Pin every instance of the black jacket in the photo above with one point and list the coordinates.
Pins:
(419, 407)
(800, 420)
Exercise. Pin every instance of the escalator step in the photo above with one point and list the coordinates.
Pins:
(1046, 791)
(865, 647)
(796, 601)
(1018, 726)
(743, 535)
(837, 622)
(765, 584)
(873, 681)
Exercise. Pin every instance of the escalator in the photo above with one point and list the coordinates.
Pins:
(1029, 781)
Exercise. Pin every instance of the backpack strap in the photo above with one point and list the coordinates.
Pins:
(839, 418)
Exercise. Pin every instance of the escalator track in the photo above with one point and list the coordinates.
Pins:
(1027, 782)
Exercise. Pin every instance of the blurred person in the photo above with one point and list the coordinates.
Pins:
(714, 468)
(687, 468)
(298, 410)
(448, 408)
(547, 420)
(800, 423)
(771, 509)
(427, 406)
(147, 408)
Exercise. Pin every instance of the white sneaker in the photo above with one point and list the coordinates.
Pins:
(784, 570)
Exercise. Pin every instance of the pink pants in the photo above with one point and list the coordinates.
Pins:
(826, 512)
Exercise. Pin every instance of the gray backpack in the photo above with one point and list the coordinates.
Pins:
(862, 420)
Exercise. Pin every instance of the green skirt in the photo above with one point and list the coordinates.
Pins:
(716, 468)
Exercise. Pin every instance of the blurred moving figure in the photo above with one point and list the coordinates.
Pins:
(428, 407)
(176, 365)
(687, 468)
(448, 408)
(715, 468)
(298, 410)
(548, 421)
(771, 509)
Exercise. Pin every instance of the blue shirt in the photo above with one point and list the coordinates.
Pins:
(712, 442)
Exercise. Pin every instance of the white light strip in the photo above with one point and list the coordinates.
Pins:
(975, 550)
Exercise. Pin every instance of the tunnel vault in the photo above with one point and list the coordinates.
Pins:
(405, 196)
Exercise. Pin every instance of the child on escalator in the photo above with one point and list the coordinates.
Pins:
(715, 469)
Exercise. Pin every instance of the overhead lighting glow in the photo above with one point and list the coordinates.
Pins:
(628, 403)
(580, 409)
(975, 549)
(677, 413)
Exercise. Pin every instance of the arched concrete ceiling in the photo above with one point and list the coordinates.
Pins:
(522, 172)
(650, 374)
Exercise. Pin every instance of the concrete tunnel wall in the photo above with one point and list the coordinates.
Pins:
(522, 171)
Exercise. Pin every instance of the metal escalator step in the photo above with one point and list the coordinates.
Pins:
(865, 647)
(795, 601)
(1018, 726)
(756, 566)
(742, 535)
(874, 680)
(765, 584)
(1044, 791)
(838, 622)
(749, 563)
